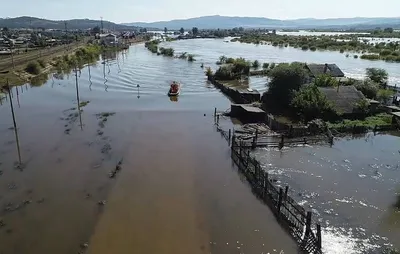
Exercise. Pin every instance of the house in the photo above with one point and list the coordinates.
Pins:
(108, 39)
(344, 98)
(316, 70)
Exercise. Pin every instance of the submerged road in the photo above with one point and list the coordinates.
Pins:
(178, 192)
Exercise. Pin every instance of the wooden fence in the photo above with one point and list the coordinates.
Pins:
(288, 212)
(291, 215)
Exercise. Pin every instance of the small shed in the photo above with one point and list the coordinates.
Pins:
(247, 113)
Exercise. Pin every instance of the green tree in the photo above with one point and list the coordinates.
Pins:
(368, 88)
(325, 81)
(165, 30)
(195, 30)
(379, 76)
(255, 64)
(285, 79)
(5, 29)
(312, 104)
(96, 30)
(388, 30)
(182, 30)
(363, 106)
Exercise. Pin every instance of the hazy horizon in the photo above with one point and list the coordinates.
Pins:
(161, 10)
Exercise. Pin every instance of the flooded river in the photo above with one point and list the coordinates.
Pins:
(351, 188)
(177, 191)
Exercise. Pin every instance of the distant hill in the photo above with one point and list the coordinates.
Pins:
(32, 22)
(224, 22)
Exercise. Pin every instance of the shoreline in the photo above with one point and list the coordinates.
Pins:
(18, 76)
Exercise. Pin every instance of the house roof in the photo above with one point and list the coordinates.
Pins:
(344, 99)
(320, 69)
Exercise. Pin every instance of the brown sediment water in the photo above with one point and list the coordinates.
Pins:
(177, 192)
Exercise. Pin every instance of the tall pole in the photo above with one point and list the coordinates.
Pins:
(14, 122)
(102, 27)
(77, 96)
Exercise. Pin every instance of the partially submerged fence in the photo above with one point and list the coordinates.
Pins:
(288, 211)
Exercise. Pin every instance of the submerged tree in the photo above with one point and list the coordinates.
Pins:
(195, 30)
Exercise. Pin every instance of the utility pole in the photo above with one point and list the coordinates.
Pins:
(102, 27)
(66, 34)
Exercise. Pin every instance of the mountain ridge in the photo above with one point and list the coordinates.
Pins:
(34, 22)
(228, 22)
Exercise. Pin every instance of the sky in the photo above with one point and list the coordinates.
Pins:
(124, 11)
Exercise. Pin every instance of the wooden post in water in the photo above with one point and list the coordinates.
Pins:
(319, 238)
(286, 192)
(215, 114)
(308, 225)
(280, 201)
(282, 143)
(217, 120)
(14, 123)
(229, 137)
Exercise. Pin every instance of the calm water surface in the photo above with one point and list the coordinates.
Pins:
(209, 50)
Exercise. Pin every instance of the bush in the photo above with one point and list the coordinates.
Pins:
(312, 104)
(41, 63)
(384, 95)
(256, 64)
(380, 76)
(167, 51)
(33, 68)
(368, 88)
(304, 47)
(265, 65)
(385, 52)
(325, 81)
(224, 73)
(230, 60)
(191, 58)
(209, 72)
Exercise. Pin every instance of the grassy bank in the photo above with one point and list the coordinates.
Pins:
(369, 123)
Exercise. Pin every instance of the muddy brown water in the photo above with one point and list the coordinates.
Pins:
(177, 192)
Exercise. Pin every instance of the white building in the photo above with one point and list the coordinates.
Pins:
(108, 39)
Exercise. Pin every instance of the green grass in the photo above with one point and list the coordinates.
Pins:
(369, 122)
(83, 104)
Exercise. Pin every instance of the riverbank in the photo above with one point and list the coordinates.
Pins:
(45, 61)
(357, 45)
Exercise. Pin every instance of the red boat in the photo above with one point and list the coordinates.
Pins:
(175, 89)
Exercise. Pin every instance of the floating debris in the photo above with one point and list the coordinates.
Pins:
(84, 245)
(102, 203)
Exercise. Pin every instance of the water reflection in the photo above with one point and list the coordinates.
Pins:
(8, 90)
(77, 97)
(90, 78)
(39, 80)
(173, 98)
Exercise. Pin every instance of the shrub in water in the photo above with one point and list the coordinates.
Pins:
(33, 68)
